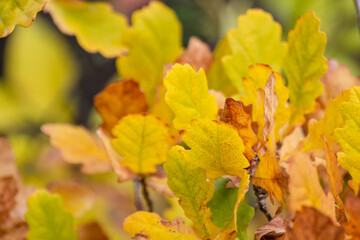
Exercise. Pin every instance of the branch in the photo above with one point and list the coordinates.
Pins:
(357, 6)
(145, 194)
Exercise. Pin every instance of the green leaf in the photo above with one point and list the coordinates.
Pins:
(188, 96)
(189, 184)
(97, 27)
(47, 218)
(155, 38)
(304, 65)
(18, 12)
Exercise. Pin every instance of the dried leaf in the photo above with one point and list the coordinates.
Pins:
(197, 54)
(117, 100)
(271, 104)
(239, 116)
(91, 231)
(291, 143)
(310, 224)
(78, 146)
(159, 184)
(216, 147)
(305, 188)
(352, 205)
(272, 177)
(275, 229)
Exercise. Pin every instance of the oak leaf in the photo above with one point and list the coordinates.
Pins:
(188, 183)
(145, 225)
(188, 96)
(155, 38)
(15, 12)
(347, 137)
(97, 27)
(216, 147)
(78, 146)
(272, 177)
(311, 224)
(240, 116)
(275, 229)
(142, 141)
(352, 206)
(117, 100)
(304, 65)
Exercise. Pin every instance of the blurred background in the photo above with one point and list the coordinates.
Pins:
(46, 76)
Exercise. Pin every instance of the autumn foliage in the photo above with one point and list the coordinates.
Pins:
(259, 117)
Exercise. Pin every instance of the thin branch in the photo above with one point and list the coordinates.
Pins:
(145, 194)
(357, 6)
(137, 195)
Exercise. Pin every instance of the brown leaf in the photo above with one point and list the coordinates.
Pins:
(291, 143)
(159, 184)
(352, 206)
(238, 115)
(270, 106)
(337, 79)
(197, 54)
(310, 224)
(275, 229)
(117, 100)
(91, 231)
(272, 177)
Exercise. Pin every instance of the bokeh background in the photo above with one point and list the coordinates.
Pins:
(46, 76)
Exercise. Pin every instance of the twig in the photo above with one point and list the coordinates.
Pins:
(137, 196)
(145, 194)
(357, 6)
(260, 193)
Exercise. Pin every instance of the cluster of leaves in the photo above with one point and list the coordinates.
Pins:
(215, 123)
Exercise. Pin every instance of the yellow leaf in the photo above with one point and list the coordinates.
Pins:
(216, 147)
(239, 116)
(142, 141)
(217, 78)
(155, 38)
(257, 39)
(258, 77)
(96, 26)
(305, 188)
(348, 137)
(304, 65)
(188, 183)
(188, 96)
(14, 12)
(325, 127)
(117, 100)
(270, 176)
(151, 226)
(78, 146)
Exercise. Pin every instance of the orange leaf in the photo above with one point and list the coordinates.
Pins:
(117, 100)
(78, 146)
(305, 188)
(277, 227)
(270, 176)
(310, 224)
(352, 205)
(238, 115)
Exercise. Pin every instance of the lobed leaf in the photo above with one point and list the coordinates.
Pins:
(117, 100)
(47, 218)
(188, 96)
(257, 39)
(150, 226)
(304, 65)
(188, 183)
(216, 147)
(347, 137)
(142, 141)
(155, 38)
(14, 12)
(97, 27)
